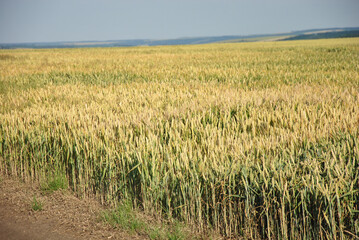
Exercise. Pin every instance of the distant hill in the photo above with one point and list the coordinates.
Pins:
(296, 35)
(321, 35)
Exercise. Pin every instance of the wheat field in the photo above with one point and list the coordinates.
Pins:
(253, 140)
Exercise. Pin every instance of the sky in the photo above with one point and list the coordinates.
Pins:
(84, 20)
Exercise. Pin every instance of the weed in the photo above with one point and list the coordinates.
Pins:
(36, 205)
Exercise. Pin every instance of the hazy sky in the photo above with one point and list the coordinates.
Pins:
(72, 20)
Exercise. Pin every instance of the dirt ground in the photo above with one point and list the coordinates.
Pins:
(63, 217)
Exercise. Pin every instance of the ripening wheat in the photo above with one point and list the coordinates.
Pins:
(256, 140)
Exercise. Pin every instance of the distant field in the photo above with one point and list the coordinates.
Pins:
(254, 140)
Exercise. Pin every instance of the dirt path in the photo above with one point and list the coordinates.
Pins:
(63, 216)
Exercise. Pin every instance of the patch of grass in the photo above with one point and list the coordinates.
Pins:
(126, 218)
(36, 205)
(176, 233)
(54, 183)
(156, 233)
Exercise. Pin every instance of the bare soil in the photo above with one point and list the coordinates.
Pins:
(63, 217)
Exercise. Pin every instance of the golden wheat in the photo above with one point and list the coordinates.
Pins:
(258, 140)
